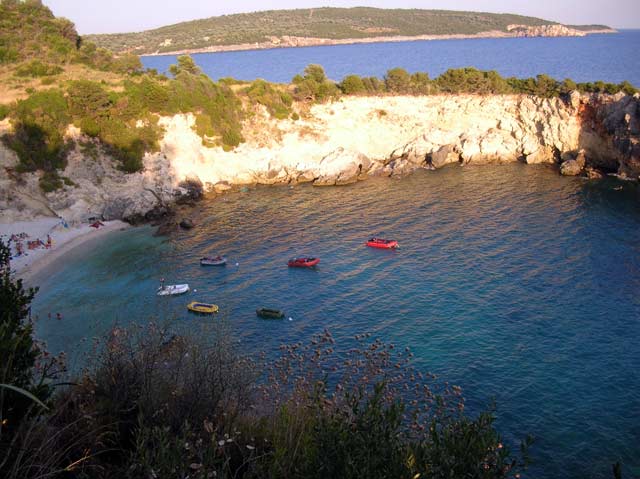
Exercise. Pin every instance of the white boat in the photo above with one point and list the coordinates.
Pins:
(217, 261)
(172, 289)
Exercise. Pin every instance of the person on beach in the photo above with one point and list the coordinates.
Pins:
(19, 250)
(48, 246)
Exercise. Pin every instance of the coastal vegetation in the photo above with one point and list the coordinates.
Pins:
(330, 23)
(151, 403)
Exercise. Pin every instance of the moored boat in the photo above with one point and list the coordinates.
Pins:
(202, 308)
(217, 261)
(382, 243)
(172, 289)
(268, 313)
(303, 262)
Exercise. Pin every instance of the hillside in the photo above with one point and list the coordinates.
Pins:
(271, 27)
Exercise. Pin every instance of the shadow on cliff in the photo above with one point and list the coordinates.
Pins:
(610, 133)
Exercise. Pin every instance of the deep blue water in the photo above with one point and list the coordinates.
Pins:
(607, 57)
(511, 281)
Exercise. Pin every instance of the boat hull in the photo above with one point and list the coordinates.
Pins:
(213, 262)
(383, 244)
(202, 308)
(172, 289)
(303, 262)
(266, 313)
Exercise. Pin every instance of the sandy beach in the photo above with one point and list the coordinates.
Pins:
(64, 239)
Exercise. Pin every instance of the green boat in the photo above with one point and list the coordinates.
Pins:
(267, 313)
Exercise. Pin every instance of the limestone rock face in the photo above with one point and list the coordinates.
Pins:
(544, 31)
(341, 167)
(336, 144)
(445, 155)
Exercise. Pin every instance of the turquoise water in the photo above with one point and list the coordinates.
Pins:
(607, 57)
(511, 281)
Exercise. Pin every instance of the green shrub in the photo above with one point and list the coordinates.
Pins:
(4, 111)
(20, 354)
(277, 102)
(397, 80)
(197, 93)
(373, 85)
(314, 85)
(467, 448)
(88, 99)
(39, 125)
(315, 72)
(628, 88)
(472, 80)
(352, 85)
(127, 64)
(185, 65)
(8, 55)
(232, 138)
(50, 181)
(420, 84)
(37, 69)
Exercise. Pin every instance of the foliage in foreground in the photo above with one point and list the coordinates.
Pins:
(25, 369)
(157, 405)
(154, 404)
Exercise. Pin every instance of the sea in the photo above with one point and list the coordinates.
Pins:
(515, 283)
(606, 57)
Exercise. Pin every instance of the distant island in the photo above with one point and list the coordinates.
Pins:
(331, 26)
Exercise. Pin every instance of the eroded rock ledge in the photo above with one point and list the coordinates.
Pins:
(341, 143)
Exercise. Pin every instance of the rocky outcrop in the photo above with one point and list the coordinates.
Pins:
(573, 166)
(340, 143)
(554, 30)
(341, 167)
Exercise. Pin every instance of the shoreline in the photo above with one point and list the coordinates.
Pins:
(27, 266)
(302, 42)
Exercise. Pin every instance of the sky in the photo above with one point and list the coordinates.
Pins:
(136, 15)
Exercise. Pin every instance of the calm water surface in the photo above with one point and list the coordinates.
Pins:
(511, 281)
(607, 57)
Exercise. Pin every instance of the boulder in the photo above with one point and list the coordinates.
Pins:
(573, 167)
(276, 173)
(186, 224)
(221, 187)
(593, 173)
(446, 154)
(402, 167)
(342, 167)
(191, 189)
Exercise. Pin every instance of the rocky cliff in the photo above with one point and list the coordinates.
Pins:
(340, 143)
(544, 31)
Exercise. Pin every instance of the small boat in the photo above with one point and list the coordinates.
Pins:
(303, 262)
(382, 243)
(267, 313)
(172, 289)
(217, 261)
(202, 308)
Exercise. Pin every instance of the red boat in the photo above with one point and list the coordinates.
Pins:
(382, 243)
(303, 262)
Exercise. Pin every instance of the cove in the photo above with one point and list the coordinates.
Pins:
(515, 283)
